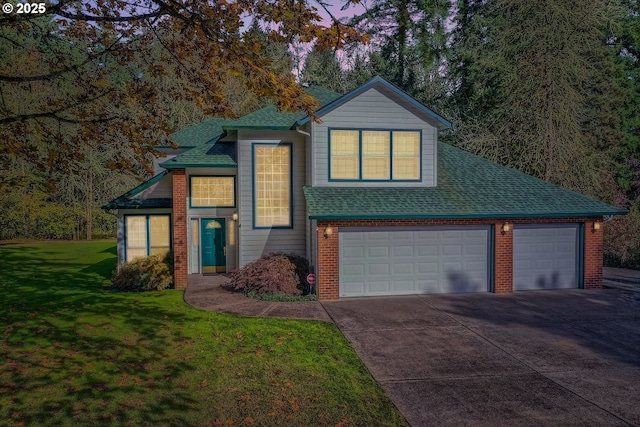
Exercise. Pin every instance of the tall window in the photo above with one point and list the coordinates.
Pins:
(146, 235)
(272, 185)
(213, 191)
(374, 155)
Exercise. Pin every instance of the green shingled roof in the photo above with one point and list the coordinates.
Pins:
(270, 118)
(199, 134)
(218, 155)
(468, 187)
(126, 202)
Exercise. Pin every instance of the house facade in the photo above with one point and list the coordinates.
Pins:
(368, 195)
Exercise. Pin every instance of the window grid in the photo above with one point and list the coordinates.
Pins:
(375, 155)
(147, 235)
(344, 154)
(406, 155)
(382, 155)
(213, 191)
(272, 185)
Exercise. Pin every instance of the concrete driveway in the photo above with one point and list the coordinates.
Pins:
(556, 358)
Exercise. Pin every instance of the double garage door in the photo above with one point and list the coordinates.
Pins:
(398, 261)
(402, 261)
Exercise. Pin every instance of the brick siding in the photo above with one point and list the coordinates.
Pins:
(181, 266)
(328, 251)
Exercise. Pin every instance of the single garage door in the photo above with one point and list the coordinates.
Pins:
(401, 261)
(545, 256)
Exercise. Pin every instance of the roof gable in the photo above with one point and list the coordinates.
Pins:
(394, 93)
(129, 200)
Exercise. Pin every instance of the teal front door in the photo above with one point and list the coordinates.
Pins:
(214, 252)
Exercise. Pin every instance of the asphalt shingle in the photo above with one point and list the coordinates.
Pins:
(468, 187)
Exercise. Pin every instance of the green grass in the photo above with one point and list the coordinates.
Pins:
(74, 353)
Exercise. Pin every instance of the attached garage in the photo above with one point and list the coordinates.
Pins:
(545, 256)
(413, 260)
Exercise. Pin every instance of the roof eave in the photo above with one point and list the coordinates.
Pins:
(260, 127)
(334, 217)
(198, 165)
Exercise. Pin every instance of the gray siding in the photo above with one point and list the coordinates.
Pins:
(372, 110)
(159, 190)
(170, 154)
(258, 242)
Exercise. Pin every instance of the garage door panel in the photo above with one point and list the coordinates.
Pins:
(403, 268)
(403, 286)
(455, 235)
(379, 287)
(545, 256)
(378, 269)
(452, 250)
(377, 251)
(403, 251)
(427, 268)
(416, 261)
(353, 253)
(426, 251)
(382, 236)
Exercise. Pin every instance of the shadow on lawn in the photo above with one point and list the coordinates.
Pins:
(74, 348)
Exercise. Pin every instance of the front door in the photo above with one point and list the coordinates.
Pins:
(214, 256)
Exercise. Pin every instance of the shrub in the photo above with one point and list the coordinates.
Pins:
(151, 273)
(276, 273)
(622, 240)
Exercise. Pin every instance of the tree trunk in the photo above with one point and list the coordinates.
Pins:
(89, 213)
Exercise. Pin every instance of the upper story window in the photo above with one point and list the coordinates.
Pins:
(146, 235)
(374, 155)
(213, 191)
(272, 185)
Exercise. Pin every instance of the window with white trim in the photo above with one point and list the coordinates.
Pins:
(272, 185)
(374, 155)
(146, 235)
(213, 191)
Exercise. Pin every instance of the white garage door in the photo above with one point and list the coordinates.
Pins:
(396, 261)
(545, 256)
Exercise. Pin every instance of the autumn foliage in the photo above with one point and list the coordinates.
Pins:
(86, 73)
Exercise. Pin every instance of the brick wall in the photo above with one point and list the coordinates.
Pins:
(181, 266)
(328, 250)
(503, 259)
(593, 255)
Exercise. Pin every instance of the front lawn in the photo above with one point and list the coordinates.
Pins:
(73, 352)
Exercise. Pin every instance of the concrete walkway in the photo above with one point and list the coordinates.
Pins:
(206, 293)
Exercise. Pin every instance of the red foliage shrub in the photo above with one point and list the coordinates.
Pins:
(274, 273)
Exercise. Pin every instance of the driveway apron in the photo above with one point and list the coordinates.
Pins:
(558, 358)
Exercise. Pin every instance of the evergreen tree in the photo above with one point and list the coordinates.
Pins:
(321, 68)
(537, 88)
(408, 44)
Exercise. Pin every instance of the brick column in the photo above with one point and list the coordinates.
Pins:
(180, 265)
(328, 273)
(503, 258)
(593, 254)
